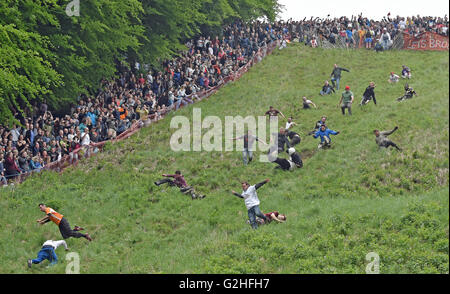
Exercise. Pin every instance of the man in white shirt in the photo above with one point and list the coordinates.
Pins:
(85, 139)
(251, 201)
(48, 252)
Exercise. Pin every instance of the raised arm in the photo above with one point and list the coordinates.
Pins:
(387, 133)
(257, 186)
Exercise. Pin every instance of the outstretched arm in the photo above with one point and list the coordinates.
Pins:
(237, 194)
(257, 186)
(387, 133)
(43, 220)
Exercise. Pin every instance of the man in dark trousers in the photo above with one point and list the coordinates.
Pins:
(180, 182)
(336, 75)
(61, 222)
(369, 94)
(251, 201)
(382, 140)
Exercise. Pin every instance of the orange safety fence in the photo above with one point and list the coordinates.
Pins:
(93, 148)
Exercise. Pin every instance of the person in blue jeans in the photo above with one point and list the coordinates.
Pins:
(324, 134)
(336, 75)
(252, 202)
(48, 252)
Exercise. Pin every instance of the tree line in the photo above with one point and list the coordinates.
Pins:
(48, 55)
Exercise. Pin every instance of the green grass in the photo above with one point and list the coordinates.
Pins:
(346, 202)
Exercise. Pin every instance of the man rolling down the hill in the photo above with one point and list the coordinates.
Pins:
(292, 163)
(324, 134)
(318, 125)
(369, 94)
(61, 222)
(180, 182)
(48, 252)
(251, 201)
(382, 140)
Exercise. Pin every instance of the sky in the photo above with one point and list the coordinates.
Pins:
(298, 9)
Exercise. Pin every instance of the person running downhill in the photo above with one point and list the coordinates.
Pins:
(382, 140)
(368, 95)
(336, 75)
(346, 100)
(48, 252)
(324, 134)
(251, 201)
(249, 140)
(180, 182)
(61, 222)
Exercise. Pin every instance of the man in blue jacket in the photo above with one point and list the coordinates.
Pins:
(324, 134)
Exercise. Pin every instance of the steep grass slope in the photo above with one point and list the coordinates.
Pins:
(346, 202)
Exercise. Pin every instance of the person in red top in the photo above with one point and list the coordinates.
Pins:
(61, 222)
(271, 216)
(180, 182)
(281, 218)
(11, 168)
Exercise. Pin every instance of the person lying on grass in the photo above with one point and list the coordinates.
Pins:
(48, 252)
(292, 163)
(180, 182)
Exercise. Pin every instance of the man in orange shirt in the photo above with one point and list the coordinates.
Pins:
(61, 222)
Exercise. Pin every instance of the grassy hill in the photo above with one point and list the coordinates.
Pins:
(344, 203)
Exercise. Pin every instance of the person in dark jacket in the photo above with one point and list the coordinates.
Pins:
(336, 75)
(326, 89)
(369, 94)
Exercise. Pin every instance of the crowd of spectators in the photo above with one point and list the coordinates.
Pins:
(43, 138)
(362, 32)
